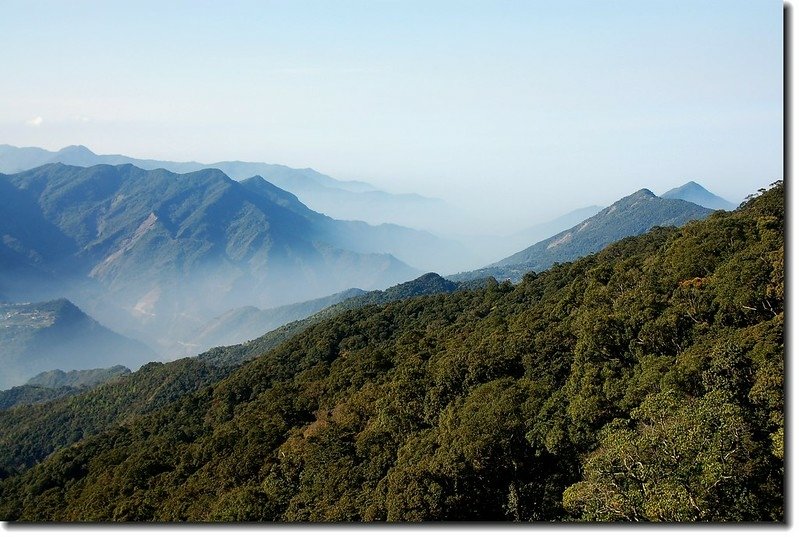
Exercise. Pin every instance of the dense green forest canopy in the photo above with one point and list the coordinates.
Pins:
(29, 433)
(641, 383)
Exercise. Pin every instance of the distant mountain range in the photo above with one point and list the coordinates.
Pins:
(57, 334)
(171, 251)
(631, 215)
(189, 261)
(246, 323)
(419, 249)
(349, 200)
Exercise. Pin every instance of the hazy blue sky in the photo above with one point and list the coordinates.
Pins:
(531, 108)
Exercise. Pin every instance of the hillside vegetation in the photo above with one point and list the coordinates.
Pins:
(55, 384)
(641, 383)
(30, 433)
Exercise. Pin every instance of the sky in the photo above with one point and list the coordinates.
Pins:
(517, 110)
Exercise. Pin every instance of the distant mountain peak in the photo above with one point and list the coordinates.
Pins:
(75, 149)
(696, 193)
(690, 186)
(429, 277)
(629, 216)
(640, 196)
(643, 193)
(429, 283)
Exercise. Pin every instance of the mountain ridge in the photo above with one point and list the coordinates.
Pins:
(631, 215)
(349, 200)
(150, 245)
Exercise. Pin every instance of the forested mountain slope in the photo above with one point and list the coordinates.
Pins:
(28, 434)
(55, 384)
(641, 383)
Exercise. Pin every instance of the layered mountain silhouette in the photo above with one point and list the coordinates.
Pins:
(629, 216)
(174, 250)
(419, 249)
(351, 200)
(248, 322)
(696, 193)
(57, 334)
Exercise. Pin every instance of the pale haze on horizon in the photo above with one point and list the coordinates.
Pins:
(517, 111)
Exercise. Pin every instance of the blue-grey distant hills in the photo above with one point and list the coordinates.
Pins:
(58, 335)
(696, 193)
(242, 324)
(349, 200)
(419, 249)
(170, 251)
(629, 216)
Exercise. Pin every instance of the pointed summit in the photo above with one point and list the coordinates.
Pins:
(258, 185)
(75, 155)
(78, 149)
(631, 215)
(696, 193)
(640, 196)
(644, 193)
